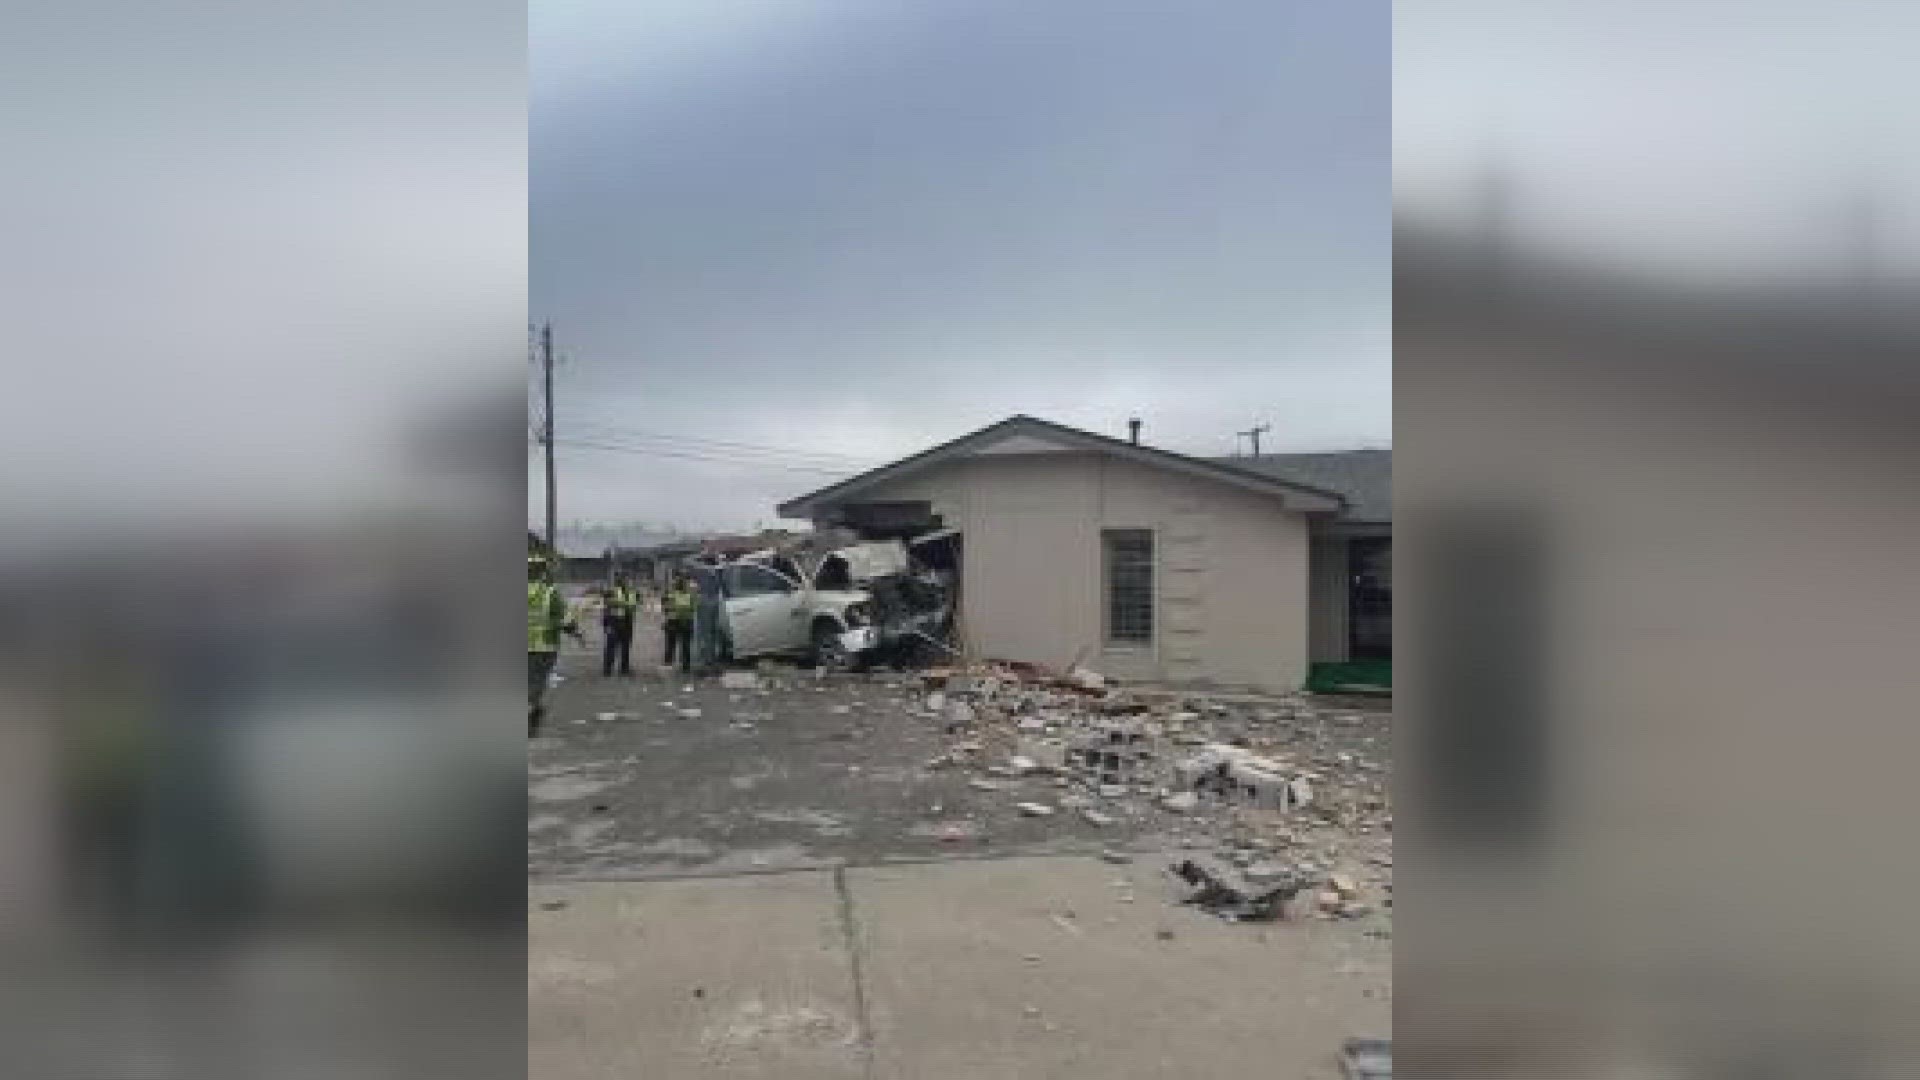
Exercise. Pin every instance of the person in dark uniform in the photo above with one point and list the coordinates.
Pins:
(619, 603)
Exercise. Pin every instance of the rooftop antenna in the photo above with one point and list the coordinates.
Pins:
(1254, 434)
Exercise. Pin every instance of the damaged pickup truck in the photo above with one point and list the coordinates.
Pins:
(887, 600)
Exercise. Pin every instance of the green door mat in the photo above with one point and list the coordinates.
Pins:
(1352, 676)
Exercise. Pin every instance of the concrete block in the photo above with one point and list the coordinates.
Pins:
(1178, 585)
(1190, 557)
(1189, 770)
(1044, 753)
(1181, 802)
(1182, 618)
(1186, 528)
(1261, 787)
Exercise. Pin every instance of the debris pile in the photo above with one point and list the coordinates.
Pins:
(1288, 794)
(1232, 893)
(1367, 1059)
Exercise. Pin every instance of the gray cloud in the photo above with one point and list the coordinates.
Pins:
(854, 233)
(1714, 141)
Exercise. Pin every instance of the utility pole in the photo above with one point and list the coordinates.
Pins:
(1254, 434)
(546, 433)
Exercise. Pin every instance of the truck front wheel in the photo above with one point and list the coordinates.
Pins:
(827, 652)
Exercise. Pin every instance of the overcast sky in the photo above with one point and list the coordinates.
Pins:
(1712, 140)
(845, 230)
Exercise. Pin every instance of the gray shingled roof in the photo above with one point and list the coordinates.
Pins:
(1364, 477)
(1214, 468)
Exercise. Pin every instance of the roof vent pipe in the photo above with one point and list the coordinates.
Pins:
(1133, 431)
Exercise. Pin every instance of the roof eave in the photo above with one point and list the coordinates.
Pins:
(1295, 496)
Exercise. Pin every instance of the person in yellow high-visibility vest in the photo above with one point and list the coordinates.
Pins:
(547, 619)
(619, 604)
(677, 608)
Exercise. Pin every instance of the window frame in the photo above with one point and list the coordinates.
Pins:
(738, 571)
(1108, 599)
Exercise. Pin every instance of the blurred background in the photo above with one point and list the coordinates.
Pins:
(261, 768)
(1655, 393)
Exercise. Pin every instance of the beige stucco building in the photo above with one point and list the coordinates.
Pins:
(1133, 561)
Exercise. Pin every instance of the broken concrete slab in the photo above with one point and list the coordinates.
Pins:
(1224, 891)
(1367, 1059)
(1050, 754)
(1088, 678)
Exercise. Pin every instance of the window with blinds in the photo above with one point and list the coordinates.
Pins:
(1129, 585)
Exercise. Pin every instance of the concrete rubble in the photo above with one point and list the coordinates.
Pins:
(1367, 1059)
(1271, 791)
(1288, 794)
(1225, 891)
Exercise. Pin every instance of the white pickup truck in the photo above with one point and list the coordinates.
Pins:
(830, 614)
(774, 608)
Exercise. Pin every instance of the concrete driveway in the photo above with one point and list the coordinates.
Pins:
(1017, 969)
(770, 888)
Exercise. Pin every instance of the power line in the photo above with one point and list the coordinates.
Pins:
(686, 455)
(690, 455)
(625, 434)
(771, 455)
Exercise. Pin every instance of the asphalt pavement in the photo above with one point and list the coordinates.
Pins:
(770, 883)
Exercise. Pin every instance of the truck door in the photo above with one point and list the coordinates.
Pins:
(765, 610)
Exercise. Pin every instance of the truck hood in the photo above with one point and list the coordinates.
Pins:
(840, 599)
